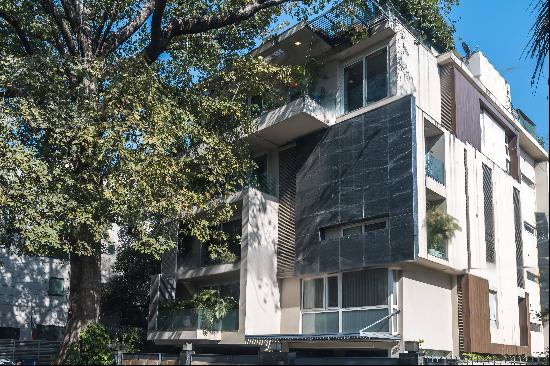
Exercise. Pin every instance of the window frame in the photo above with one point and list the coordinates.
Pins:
(363, 59)
(392, 296)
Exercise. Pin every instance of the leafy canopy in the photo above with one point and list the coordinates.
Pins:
(125, 112)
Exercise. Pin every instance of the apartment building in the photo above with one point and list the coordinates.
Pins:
(34, 293)
(335, 254)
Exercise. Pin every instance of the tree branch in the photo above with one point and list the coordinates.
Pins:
(25, 42)
(49, 7)
(119, 37)
(181, 26)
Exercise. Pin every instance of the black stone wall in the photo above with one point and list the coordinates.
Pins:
(356, 170)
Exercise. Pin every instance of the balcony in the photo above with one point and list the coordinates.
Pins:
(290, 121)
(263, 182)
(188, 320)
(435, 169)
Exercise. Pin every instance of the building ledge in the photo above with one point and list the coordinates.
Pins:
(207, 271)
(295, 119)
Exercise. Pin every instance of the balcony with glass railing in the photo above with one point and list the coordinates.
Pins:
(169, 320)
(435, 168)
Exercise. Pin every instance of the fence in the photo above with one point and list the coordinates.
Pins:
(30, 352)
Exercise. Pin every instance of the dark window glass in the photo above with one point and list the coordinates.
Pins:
(377, 76)
(332, 289)
(353, 87)
(365, 288)
(9, 333)
(376, 226)
(354, 230)
(49, 333)
(56, 286)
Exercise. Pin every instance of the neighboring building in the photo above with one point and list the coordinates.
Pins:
(336, 260)
(34, 294)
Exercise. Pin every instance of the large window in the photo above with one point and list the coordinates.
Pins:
(349, 302)
(366, 81)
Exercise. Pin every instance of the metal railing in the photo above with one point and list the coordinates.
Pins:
(264, 183)
(38, 352)
(435, 168)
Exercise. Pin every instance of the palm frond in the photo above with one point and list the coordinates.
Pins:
(537, 48)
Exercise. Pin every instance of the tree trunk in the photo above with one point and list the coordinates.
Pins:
(84, 297)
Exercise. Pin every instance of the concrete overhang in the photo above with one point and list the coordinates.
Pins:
(295, 119)
(179, 336)
(292, 46)
(526, 141)
(208, 272)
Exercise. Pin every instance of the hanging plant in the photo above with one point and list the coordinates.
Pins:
(440, 228)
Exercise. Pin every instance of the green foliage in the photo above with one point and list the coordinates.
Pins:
(428, 17)
(210, 306)
(539, 44)
(92, 347)
(126, 294)
(440, 227)
(128, 339)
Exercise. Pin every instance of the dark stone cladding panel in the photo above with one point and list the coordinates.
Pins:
(356, 170)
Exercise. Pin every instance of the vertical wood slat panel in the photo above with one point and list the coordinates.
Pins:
(286, 216)
(448, 107)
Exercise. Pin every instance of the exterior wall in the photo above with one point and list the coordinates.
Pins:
(24, 285)
(482, 70)
(259, 264)
(24, 298)
(290, 306)
(346, 174)
(427, 311)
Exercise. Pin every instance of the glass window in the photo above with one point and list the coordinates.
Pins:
(353, 230)
(377, 76)
(313, 293)
(354, 321)
(375, 226)
(493, 309)
(56, 286)
(332, 292)
(353, 87)
(365, 288)
(320, 323)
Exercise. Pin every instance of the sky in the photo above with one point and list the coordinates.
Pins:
(500, 30)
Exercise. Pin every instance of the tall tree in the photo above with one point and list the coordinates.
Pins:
(537, 48)
(123, 112)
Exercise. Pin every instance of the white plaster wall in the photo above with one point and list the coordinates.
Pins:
(427, 308)
(502, 274)
(537, 338)
(259, 265)
(290, 306)
(485, 72)
(24, 298)
(417, 73)
(541, 184)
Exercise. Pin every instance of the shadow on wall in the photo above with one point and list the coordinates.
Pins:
(33, 293)
(262, 249)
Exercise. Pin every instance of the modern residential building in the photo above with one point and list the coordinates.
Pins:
(34, 293)
(339, 252)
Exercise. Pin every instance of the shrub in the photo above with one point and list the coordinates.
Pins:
(92, 347)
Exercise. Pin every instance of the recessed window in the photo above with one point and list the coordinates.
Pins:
(347, 230)
(352, 230)
(365, 288)
(56, 286)
(536, 327)
(366, 81)
(493, 309)
(527, 181)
